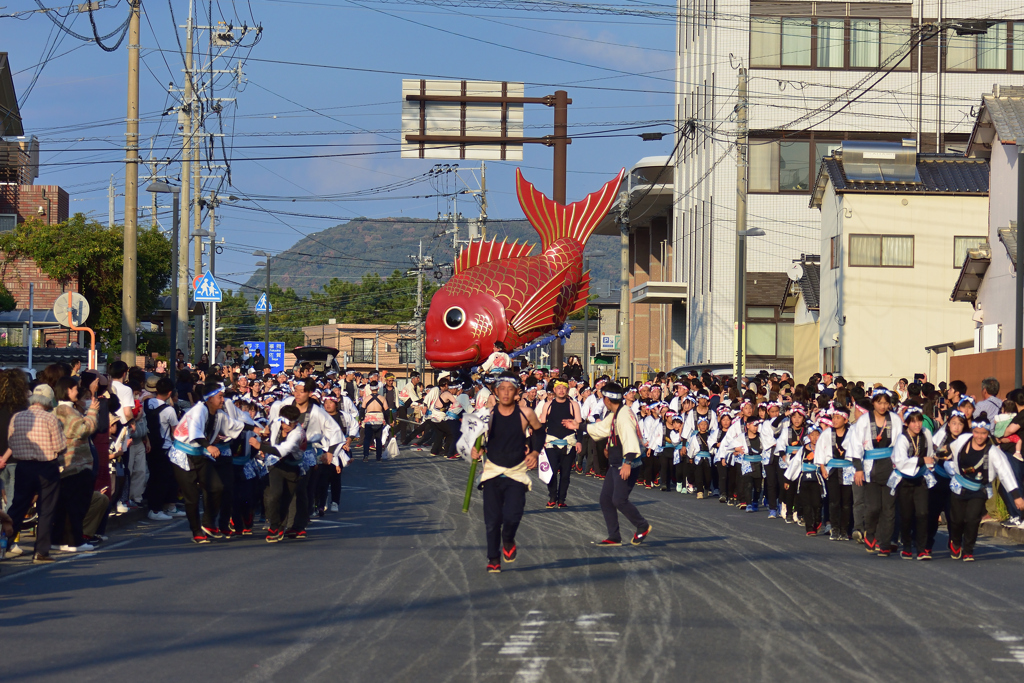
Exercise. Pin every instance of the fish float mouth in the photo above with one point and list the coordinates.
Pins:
(451, 359)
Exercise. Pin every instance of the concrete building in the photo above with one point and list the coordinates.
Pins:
(893, 223)
(988, 266)
(814, 79)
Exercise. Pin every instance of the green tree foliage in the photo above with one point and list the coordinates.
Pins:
(95, 254)
(7, 302)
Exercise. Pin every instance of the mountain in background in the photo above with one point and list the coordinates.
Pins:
(366, 245)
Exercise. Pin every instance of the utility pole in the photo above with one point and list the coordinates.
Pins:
(742, 150)
(1018, 354)
(197, 225)
(560, 142)
(129, 309)
(152, 179)
(483, 201)
(625, 366)
(213, 271)
(186, 196)
(422, 264)
(110, 202)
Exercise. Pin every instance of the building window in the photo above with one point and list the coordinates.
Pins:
(961, 245)
(832, 360)
(820, 43)
(761, 339)
(785, 165)
(406, 351)
(362, 350)
(784, 340)
(761, 312)
(794, 166)
(8, 222)
(834, 244)
(882, 251)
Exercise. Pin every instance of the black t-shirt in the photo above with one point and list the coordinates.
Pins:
(1010, 448)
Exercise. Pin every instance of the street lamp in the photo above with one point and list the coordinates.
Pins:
(586, 319)
(741, 295)
(267, 294)
(160, 187)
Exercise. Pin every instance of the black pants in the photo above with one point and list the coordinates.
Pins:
(751, 494)
(72, 504)
(964, 520)
(702, 475)
(879, 514)
(725, 481)
(615, 499)
(33, 477)
(202, 477)
(809, 498)
(773, 481)
(241, 498)
(581, 457)
(649, 469)
(788, 498)
(327, 477)
(665, 460)
(161, 486)
(372, 432)
(938, 502)
(840, 501)
(504, 500)
(597, 460)
(913, 500)
(561, 459)
(286, 486)
(226, 472)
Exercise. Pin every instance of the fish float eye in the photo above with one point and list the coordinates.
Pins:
(454, 317)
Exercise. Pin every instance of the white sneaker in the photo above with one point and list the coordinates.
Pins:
(121, 508)
(174, 512)
(84, 548)
(334, 507)
(158, 516)
(15, 551)
(1012, 522)
(679, 488)
(783, 510)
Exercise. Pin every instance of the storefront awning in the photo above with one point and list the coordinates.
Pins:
(652, 292)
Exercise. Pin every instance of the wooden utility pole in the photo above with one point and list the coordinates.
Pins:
(186, 195)
(131, 194)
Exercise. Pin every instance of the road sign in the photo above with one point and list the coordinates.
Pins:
(79, 310)
(276, 356)
(261, 305)
(207, 290)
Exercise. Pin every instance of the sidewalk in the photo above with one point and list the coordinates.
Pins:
(997, 530)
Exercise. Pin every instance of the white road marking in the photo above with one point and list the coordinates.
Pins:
(1016, 651)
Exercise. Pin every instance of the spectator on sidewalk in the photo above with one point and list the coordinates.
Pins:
(13, 398)
(35, 441)
(76, 477)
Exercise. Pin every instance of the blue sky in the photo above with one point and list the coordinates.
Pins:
(77, 104)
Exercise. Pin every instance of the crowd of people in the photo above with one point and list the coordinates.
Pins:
(238, 449)
(246, 451)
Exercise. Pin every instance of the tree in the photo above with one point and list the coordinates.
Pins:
(7, 302)
(95, 254)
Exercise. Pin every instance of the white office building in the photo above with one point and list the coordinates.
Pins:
(815, 78)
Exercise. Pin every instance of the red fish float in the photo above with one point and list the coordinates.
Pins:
(499, 292)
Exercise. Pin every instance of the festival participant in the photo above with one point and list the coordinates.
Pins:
(939, 495)
(624, 455)
(751, 449)
(593, 412)
(723, 459)
(374, 409)
(560, 443)
(790, 440)
(832, 452)
(912, 457)
(652, 436)
(282, 453)
(871, 449)
(498, 360)
(509, 454)
(698, 449)
(773, 471)
(675, 445)
(193, 456)
(974, 463)
(808, 481)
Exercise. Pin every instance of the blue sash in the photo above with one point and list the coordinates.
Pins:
(836, 462)
(451, 415)
(790, 450)
(941, 471)
(967, 483)
(752, 457)
(808, 467)
(188, 449)
(915, 475)
(703, 454)
(877, 453)
(560, 443)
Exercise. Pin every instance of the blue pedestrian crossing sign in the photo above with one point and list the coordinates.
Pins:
(207, 290)
(261, 305)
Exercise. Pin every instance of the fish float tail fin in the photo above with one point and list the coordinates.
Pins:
(577, 221)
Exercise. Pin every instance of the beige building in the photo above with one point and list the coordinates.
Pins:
(802, 302)
(894, 227)
(366, 348)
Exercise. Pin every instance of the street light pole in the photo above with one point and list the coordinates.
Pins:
(266, 337)
(586, 319)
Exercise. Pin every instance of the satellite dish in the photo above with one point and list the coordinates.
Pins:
(795, 272)
(74, 314)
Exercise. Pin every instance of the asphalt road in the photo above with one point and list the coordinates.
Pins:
(394, 589)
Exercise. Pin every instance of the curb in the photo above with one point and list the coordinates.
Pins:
(997, 530)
